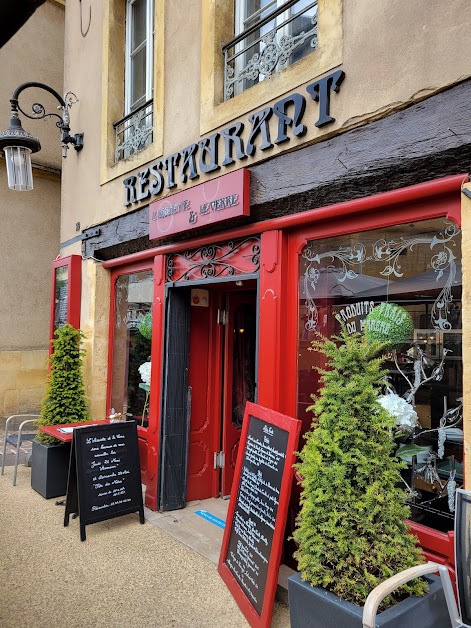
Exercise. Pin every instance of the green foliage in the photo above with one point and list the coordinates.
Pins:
(64, 401)
(389, 323)
(145, 325)
(351, 529)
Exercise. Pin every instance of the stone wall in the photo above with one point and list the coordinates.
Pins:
(23, 376)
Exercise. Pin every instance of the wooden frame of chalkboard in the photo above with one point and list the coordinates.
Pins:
(104, 474)
(253, 536)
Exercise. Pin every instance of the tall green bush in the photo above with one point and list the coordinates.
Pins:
(64, 401)
(351, 531)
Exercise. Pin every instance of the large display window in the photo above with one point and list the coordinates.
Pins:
(131, 332)
(416, 266)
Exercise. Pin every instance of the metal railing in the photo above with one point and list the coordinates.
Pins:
(134, 131)
(267, 46)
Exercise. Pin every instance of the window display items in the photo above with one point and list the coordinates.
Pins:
(390, 323)
(422, 458)
(145, 326)
(404, 414)
(144, 372)
(115, 417)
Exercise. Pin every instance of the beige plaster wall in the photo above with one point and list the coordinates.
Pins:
(29, 241)
(36, 53)
(81, 192)
(94, 317)
(392, 55)
(30, 221)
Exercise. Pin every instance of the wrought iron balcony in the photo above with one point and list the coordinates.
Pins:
(267, 45)
(134, 131)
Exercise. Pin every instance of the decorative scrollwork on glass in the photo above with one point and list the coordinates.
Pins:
(442, 261)
(237, 257)
(391, 250)
(347, 259)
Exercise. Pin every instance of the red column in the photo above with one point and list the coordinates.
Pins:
(274, 337)
(158, 325)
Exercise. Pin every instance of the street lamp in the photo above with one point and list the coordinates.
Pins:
(18, 144)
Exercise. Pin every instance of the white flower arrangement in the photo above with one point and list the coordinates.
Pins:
(403, 412)
(115, 417)
(144, 371)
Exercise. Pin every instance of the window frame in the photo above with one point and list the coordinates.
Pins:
(129, 53)
(130, 269)
(217, 27)
(440, 198)
(244, 22)
(112, 89)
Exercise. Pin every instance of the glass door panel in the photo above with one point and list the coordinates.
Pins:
(130, 387)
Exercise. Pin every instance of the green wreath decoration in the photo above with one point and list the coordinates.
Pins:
(390, 323)
(145, 326)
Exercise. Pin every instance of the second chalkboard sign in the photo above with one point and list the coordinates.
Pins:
(104, 474)
(253, 537)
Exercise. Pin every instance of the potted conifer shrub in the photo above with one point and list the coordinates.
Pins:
(351, 530)
(64, 402)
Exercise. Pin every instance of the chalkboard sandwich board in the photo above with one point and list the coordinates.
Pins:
(104, 474)
(253, 537)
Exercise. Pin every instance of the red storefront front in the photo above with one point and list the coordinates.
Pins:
(233, 314)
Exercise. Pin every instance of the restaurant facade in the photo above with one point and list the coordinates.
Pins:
(258, 191)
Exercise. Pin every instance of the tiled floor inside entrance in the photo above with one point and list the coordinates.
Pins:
(198, 525)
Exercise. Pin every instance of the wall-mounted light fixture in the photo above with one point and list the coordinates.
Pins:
(18, 144)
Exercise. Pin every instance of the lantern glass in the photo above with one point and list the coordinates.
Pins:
(19, 170)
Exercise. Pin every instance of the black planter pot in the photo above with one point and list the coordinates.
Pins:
(50, 469)
(312, 607)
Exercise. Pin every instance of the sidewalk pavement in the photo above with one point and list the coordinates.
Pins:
(125, 575)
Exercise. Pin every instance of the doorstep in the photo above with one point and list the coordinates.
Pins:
(198, 526)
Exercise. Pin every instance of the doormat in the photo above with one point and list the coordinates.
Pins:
(212, 518)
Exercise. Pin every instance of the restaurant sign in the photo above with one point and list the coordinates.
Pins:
(236, 142)
(214, 201)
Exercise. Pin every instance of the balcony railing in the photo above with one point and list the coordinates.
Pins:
(286, 34)
(134, 131)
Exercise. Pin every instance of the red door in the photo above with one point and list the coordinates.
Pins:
(239, 375)
(222, 378)
(204, 381)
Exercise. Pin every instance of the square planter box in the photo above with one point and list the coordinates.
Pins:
(50, 469)
(312, 607)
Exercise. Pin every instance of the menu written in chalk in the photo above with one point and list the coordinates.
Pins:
(256, 508)
(104, 474)
(257, 513)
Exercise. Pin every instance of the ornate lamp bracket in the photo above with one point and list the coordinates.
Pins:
(38, 112)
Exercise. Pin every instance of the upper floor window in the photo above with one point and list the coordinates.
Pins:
(134, 131)
(269, 35)
(139, 53)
